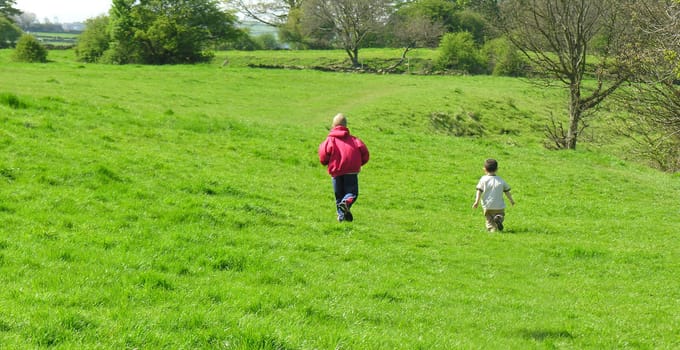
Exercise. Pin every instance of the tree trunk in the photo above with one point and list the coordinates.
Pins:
(575, 111)
(354, 56)
(401, 60)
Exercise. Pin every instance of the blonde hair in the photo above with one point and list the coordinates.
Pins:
(339, 119)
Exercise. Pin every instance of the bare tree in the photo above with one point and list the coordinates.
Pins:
(654, 100)
(663, 22)
(412, 32)
(556, 36)
(284, 15)
(270, 12)
(653, 124)
(349, 22)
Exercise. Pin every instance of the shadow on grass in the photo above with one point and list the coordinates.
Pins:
(527, 230)
(545, 334)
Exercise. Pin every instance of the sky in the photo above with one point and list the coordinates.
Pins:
(65, 11)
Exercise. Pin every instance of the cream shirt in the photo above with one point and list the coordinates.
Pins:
(492, 188)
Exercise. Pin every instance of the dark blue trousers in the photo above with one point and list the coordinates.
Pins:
(346, 188)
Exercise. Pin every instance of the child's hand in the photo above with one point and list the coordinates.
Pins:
(475, 205)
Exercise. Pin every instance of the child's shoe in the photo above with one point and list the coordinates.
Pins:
(498, 219)
(344, 208)
(349, 217)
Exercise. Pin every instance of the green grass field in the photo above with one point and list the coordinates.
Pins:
(183, 207)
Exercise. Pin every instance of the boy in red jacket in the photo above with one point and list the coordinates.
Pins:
(344, 155)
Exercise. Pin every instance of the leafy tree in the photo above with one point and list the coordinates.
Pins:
(471, 22)
(167, 31)
(437, 11)
(29, 49)
(347, 22)
(490, 9)
(9, 33)
(94, 41)
(458, 51)
(7, 10)
(292, 32)
(555, 36)
(454, 16)
(122, 49)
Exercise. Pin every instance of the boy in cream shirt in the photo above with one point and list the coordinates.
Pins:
(490, 191)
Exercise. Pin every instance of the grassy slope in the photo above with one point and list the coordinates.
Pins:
(184, 207)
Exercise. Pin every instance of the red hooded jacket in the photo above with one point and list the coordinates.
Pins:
(342, 152)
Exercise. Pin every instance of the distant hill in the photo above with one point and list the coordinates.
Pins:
(256, 28)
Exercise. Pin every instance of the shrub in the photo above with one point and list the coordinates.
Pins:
(458, 51)
(462, 124)
(267, 41)
(504, 59)
(12, 101)
(29, 49)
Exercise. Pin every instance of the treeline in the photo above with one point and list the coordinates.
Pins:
(177, 32)
(355, 24)
(48, 28)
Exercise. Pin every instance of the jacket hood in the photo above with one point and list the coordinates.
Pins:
(339, 131)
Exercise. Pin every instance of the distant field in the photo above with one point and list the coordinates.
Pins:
(183, 207)
(58, 39)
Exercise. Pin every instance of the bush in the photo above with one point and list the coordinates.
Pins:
(504, 59)
(29, 49)
(462, 124)
(268, 41)
(458, 51)
(12, 101)
(243, 42)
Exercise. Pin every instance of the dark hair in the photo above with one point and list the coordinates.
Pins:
(491, 165)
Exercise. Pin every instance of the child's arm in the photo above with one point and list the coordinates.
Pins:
(478, 196)
(509, 195)
(324, 157)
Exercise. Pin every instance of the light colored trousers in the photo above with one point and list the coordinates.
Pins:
(489, 214)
